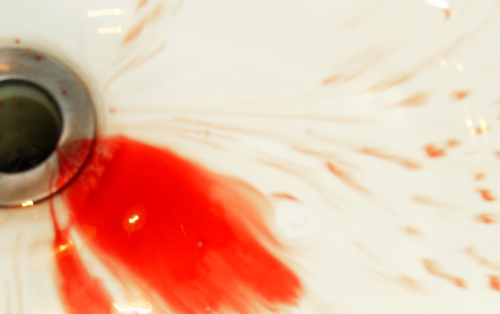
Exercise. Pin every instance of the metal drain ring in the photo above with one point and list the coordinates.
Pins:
(78, 125)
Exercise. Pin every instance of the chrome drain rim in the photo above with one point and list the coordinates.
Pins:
(77, 113)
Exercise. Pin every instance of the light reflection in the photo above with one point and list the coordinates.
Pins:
(443, 4)
(133, 219)
(4, 67)
(109, 30)
(442, 62)
(106, 12)
(483, 128)
(459, 67)
(27, 203)
(65, 246)
(138, 307)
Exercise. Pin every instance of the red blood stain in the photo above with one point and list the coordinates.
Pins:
(495, 282)
(40, 58)
(390, 83)
(432, 268)
(141, 4)
(331, 79)
(285, 196)
(412, 231)
(345, 177)
(112, 110)
(482, 129)
(486, 195)
(447, 13)
(188, 233)
(414, 101)
(453, 142)
(1, 104)
(80, 292)
(479, 176)
(460, 95)
(425, 200)
(405, 162)
(64, 92)
(434, 152)
(487, 218)
(17, 41)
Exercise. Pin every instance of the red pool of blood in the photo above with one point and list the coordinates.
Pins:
(178, 227)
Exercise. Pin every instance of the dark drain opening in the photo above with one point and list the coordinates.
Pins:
(30, 126)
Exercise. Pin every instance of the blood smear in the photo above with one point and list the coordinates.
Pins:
(151, 209)
(80, 292)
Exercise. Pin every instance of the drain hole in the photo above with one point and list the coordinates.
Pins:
(30, 126)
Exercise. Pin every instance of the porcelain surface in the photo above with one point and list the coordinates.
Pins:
(369, 128)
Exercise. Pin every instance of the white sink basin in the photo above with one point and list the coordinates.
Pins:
(305, 157)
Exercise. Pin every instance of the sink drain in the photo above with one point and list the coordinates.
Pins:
(47, 124)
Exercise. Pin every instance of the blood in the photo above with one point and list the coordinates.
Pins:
(459, 95)
(495, 282)
(432, 268)
(186, 232)
(80, 292)
(487, 218)
(486, 195)
(434, 152)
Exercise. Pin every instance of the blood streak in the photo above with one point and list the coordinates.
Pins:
(414, 101)
(80, 292)
(487, 218)
(460, 95)
(397, 159)
(345, 177)
(495, 282)
(434, 152)
(432, 268)
(486, 195)
(186, 206)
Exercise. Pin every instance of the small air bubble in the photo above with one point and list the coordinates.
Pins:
(207, 309)
(200, 244)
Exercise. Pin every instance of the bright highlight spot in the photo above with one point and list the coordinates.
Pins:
(97, 13)
(443, 4)
(27, 203)
(63, 247)
(109, 30)
(483, 127)
(133, 219)
(138, 307)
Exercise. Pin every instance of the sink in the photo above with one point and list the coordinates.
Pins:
(255, 157)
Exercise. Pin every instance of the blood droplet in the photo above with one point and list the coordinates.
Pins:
(459, 95)
(434, 152)
(495, 282)
(486, 195)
